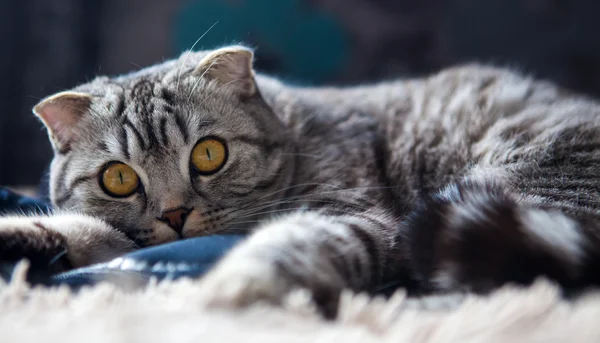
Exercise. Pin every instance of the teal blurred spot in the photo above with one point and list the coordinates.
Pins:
(309, 45)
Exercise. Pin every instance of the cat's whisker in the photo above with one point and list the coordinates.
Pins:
(242, 222)
(356, 189)
(252, 212)
(263, 213)
(315, 195)
(291, 187)
(244, 211)
(301, 154)
(324, 184)
(249, 211)
(275, 203)
(190, 52)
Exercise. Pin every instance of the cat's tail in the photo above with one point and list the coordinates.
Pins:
(477, 236)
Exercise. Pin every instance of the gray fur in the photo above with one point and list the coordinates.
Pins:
(332, 178)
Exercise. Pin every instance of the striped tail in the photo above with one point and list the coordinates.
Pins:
(476, 237)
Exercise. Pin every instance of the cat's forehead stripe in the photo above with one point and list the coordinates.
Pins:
(147, 121)
(124, 143)
(182, 127)
(120, 106)
(138, 136)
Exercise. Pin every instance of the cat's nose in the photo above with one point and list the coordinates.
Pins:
(175, 218)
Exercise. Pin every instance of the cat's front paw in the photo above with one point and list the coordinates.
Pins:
(53, 244)
(302, 251)
(240, 282)
(29, 239)
(274, 263)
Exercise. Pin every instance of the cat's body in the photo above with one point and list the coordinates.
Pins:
(466, 179)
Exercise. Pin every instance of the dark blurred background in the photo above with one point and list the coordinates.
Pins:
(51, 45)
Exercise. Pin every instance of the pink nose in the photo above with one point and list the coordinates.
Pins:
(175, 218)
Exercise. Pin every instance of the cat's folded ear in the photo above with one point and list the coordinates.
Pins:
(61, 114)
(230, 67)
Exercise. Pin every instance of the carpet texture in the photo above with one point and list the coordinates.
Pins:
(173, 312)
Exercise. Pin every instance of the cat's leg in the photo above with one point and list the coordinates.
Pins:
(479, 234)
(309, 250)
(59, 242)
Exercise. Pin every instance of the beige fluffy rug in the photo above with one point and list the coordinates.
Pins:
(173, 312)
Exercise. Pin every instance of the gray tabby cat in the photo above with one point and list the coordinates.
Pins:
(464, 180)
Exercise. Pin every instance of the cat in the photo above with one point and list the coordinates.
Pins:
(463, 180)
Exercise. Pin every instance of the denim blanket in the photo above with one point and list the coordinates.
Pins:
(186, 258)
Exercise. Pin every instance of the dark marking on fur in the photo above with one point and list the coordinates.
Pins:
(169, 97)
(136, 133)
(103, 147)
(142, 91)
(62, 199)
(240, 193)
(325, 296)
(78, 181)
(182, 127)
(163, 131)
(480, 247)
(453, 89)
(124, 143)
(152, 140)
(120, 106)
(60, 177)
(486, 84)
(65, 149)
(64, 194)
(271, 181)
(370, 246)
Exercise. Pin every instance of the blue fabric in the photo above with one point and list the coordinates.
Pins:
(13, 203)
(186, 258)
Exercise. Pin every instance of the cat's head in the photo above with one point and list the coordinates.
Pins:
(185, 148)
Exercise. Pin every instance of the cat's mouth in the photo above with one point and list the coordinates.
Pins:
(192, 224)
(176, 219)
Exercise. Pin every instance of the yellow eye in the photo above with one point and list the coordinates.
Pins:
(119, 180)
(209, 155)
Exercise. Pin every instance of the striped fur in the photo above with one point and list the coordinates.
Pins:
(466, 179)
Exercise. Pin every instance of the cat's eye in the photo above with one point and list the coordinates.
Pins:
(119, 180)
(209, 155)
